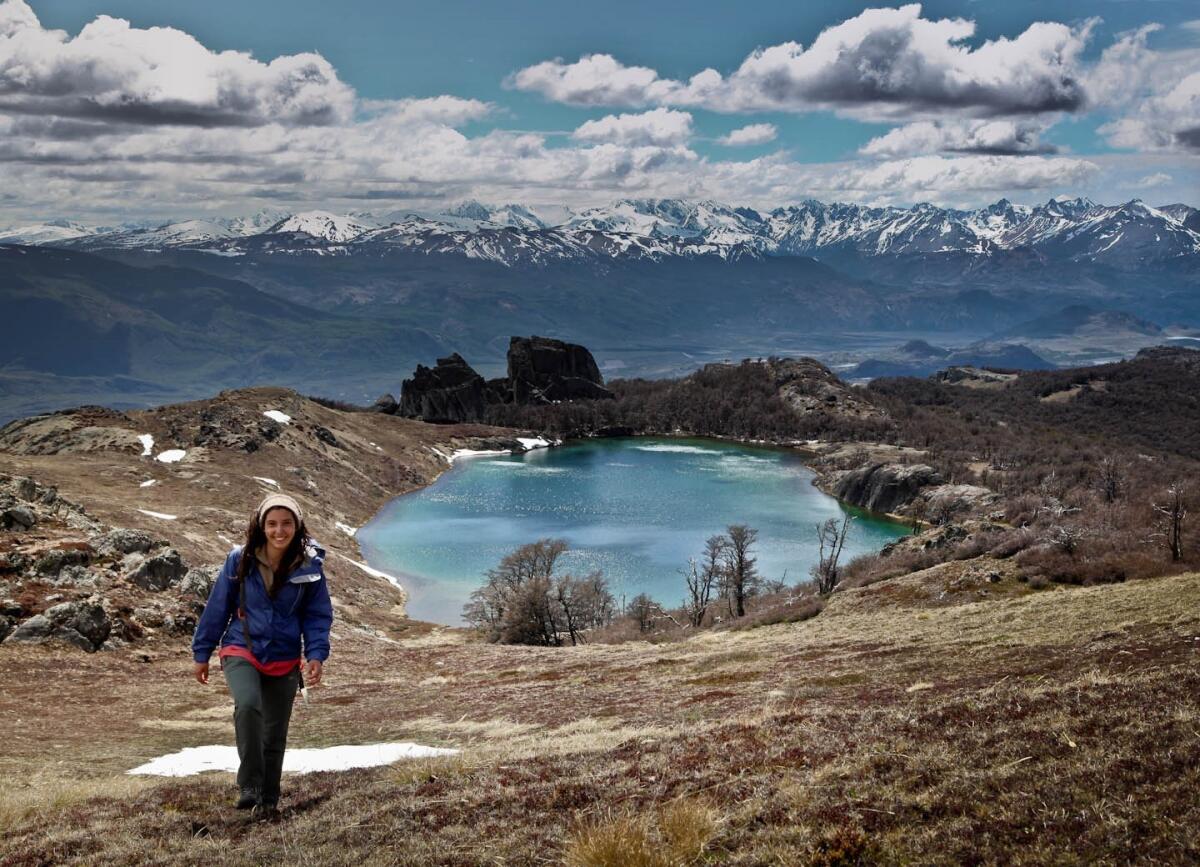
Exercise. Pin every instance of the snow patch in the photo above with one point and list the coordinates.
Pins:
(345, 528)
(162, 515)
(534, 443)
(148, 483)
(196, 760)
(147, 444)
(265, 480)
(441, 454)
(276, 415)
(475, 453)
(171, 456)
(391, 579)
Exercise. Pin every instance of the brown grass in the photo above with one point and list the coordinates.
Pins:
(1059, 726)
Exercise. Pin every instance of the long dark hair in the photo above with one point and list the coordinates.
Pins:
(256, 537)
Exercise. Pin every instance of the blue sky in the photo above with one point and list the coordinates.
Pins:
(1115, 120)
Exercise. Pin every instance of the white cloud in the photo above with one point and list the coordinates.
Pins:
(882, 63)
(451, 111)
(753, 134)
(115, 72)
(966, 136)
(1155, 180)
(1166, 120)
(662, 126)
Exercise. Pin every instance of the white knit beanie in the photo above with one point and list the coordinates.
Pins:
(271, 501)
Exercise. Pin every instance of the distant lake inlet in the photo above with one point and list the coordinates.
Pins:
(636, 508)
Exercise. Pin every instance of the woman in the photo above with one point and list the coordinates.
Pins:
(269, 603)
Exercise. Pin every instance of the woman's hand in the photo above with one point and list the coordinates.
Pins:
(312, 673)
(201, 671)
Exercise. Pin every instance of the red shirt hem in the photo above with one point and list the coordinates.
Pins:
(274, 669)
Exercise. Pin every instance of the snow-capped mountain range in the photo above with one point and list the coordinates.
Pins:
(1078, 230)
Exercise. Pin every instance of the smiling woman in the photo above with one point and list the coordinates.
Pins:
(269, 603)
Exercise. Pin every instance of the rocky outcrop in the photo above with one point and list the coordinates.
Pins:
(808, 387)
(540, 370)
(385, 403)
(160, 571)
(884, 487)
(448, 393)
(544, 370)
(82, 624)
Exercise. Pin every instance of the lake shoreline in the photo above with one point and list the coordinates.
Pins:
(800, 452)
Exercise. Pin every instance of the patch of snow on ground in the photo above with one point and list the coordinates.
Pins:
(475, 453)
(534, 443)
(147, 444)
(163, 515)
(391, 579)
(276, 415)
(345, 528)
(171, 456)
(197, 760)
(441, 454)
(148, 483)
(265, 480)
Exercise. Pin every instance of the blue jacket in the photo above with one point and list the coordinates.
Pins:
(300, 611)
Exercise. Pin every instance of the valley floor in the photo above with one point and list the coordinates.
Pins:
(1059, 726)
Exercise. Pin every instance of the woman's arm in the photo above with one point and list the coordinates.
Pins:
(315, 621)
(218, 611)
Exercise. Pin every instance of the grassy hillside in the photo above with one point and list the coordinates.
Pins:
(1050, 727)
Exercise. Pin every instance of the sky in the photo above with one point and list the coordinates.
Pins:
(114, 110)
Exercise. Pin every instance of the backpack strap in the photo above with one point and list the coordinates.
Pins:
(243, 616)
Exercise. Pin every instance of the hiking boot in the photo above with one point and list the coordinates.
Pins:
(266, 810)
(248, 798)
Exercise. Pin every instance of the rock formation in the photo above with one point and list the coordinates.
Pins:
(449, 392)
(544, 370)
(884, 487)
(540, 370)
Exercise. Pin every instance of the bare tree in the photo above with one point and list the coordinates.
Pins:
(1111, 478)
(704, 577)
(831, 536)
(643, 609)
(1173, 511)
(522, 601)
(741, 572)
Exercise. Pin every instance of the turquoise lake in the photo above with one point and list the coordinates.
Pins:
(636, 508)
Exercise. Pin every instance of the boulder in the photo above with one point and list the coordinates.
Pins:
(82, 624)
(325, 435)
(199, 581)
(385, 404)
(544, 370)
(448, 393)
(944, 501)
(76, 576)
(53, 562)
(160, 571)
(884, 487)
(121, 542)
(6, 627)
(17, 518)
(13, 561)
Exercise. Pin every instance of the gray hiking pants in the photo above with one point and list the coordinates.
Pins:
(262, 709)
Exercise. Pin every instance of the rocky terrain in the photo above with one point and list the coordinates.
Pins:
(167, 493)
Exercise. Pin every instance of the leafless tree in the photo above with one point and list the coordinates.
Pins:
(1111, 478)
(831, 536)
(741, 572)
(1173, 511)
(1066, 538)
(522, 601)
(643, 609)
(704, 577)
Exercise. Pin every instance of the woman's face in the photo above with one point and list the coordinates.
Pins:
(280, 527)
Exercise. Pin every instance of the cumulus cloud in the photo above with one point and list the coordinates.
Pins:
(881, 63)
(115, 72)
(1155, 180)
(753, 134)
(998, 137)
(662, 126)
(1167, 120)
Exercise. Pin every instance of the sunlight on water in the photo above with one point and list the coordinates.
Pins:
(634, 508)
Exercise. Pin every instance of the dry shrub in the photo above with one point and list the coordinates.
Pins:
(788, 610)
(675, 834)
(841, 846)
